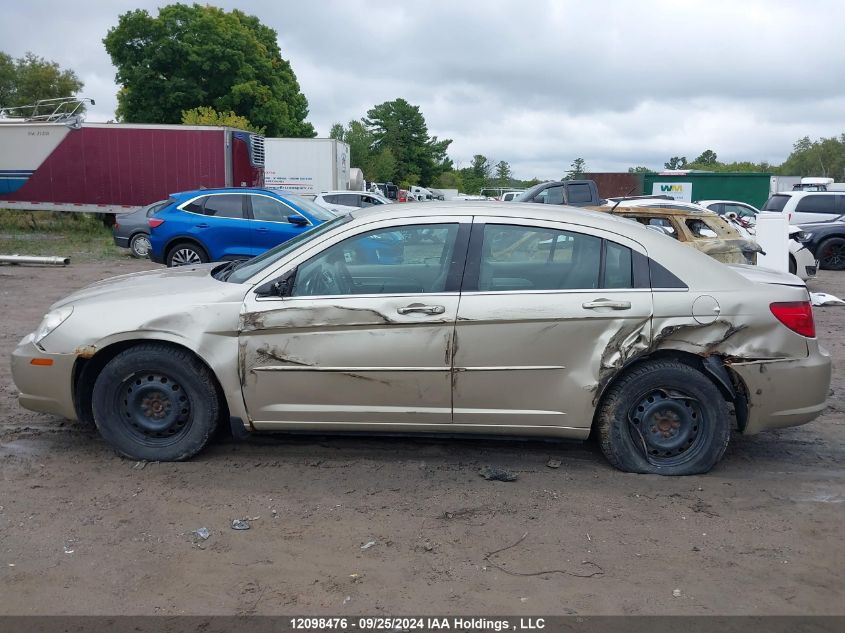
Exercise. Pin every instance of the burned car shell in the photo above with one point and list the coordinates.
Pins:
(726, 245)
(526, 363)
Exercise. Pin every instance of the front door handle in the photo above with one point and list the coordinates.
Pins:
(422, 309)
(202, 226)
(607, 303)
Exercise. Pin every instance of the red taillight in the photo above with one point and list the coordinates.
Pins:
(154, 222)
(796, 315)
(116, 226)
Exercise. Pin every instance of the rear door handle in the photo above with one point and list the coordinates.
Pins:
(421, 309)
(607, 303)
(202, 226)
(262, 229)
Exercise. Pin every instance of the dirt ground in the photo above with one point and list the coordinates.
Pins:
(85, 532)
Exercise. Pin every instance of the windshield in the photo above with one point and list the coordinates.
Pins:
(245, 270)
(312, 207)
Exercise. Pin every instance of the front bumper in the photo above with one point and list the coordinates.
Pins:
(785, 392)
(46, 389)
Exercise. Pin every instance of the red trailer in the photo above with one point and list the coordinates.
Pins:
(72, 165)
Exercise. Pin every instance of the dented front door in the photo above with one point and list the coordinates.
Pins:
(365, 339)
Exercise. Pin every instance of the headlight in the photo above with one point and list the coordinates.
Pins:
(51, 321)
(803, 236)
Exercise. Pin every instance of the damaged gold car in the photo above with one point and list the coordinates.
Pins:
(481, 318)
(705, 231)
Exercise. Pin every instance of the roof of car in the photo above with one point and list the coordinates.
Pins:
(215, 190)
(512, 211)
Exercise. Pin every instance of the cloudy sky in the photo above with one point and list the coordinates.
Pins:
(534, 83)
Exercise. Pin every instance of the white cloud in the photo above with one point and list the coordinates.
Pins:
(534, 83)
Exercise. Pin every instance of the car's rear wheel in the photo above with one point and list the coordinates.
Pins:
(186, 254)
(832, 254)
(663, 417)
(139, 245)
(155, 402)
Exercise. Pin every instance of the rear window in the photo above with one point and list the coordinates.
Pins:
(776, 203)
(158, 206)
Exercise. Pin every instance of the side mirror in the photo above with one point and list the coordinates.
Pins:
(280, 287)
(298, 220)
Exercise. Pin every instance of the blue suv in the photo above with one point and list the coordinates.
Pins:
(209, 225)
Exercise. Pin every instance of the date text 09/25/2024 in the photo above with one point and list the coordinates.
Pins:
(416, 624)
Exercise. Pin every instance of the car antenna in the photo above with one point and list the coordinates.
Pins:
(630, 191)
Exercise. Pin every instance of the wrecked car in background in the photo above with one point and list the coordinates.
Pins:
(513, 319)
(703, 230)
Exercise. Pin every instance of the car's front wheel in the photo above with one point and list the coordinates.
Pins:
(139, 245)
(156, 402)
(832, 254)
(186, 254)
(663, 417)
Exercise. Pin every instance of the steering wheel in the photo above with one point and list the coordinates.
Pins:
(343, 280)
(329, 278)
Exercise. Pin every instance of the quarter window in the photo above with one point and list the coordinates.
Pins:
(195, 206)
(400, 260)
(224, 206)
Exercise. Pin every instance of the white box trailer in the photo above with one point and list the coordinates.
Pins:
(306, 165)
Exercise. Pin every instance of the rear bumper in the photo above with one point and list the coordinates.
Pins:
(785, 392)
(46, 389)
(121, 241)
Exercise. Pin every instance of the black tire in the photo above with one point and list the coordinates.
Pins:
(831, 254)
(186, 254)
(663, 417)
(155, 402)
(139, 246)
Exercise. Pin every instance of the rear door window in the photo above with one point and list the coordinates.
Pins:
(537, 258)
(816, 204)
(579, 193)
(225, 206)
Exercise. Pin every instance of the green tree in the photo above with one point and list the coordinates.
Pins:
(707, 157)
(209, 116)
(382, 166)
(337, 132)
(199, 55)
(824, 157)
(576, 170)
(639, 169)
(504, 175)
(401, 127)
(676, 162)
(27, 79)
(449, 180)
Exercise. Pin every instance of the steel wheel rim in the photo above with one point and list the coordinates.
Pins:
(154, 408)
(185, 256)
(668, 426)
(141, 245)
